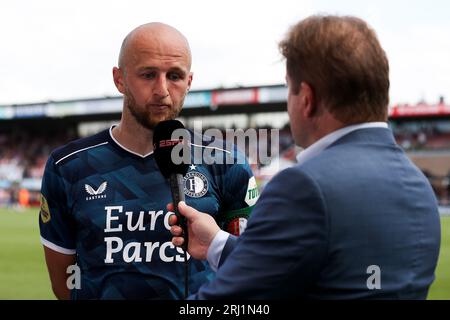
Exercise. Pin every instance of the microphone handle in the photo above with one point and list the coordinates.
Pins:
(176, 183)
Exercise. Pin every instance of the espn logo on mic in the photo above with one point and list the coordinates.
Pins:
(169, 143)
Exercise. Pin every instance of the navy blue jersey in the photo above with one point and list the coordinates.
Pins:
(107, 205)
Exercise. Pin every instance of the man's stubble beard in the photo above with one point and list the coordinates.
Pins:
(144, 117)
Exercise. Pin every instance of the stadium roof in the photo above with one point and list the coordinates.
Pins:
(214, 101)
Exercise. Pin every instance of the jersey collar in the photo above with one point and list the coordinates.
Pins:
(124, 148)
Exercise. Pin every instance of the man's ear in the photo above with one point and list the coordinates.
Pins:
(118, 79)
(308, 100)
(190, 77)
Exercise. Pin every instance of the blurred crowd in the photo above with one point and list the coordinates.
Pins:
(423, 135)
(23, 155)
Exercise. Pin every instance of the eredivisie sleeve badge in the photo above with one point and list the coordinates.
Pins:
(45, 211)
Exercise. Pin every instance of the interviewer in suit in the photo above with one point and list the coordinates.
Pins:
(354, 218)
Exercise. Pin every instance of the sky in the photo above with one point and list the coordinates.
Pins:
(61, 49)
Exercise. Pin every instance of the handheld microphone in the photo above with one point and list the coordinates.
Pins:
(174, 173)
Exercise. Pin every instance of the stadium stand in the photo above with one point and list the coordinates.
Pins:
(23, 155)
(28, 133)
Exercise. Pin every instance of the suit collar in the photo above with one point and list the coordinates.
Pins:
(334, 137)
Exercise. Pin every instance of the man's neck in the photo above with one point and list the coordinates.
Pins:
(326, 125)
(134, 137)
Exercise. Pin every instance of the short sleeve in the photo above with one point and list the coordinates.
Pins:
(57, 228)
(240, 195)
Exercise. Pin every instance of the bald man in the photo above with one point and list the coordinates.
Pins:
(103, 219)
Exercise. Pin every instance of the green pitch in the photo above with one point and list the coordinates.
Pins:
(23, 274)
(440, 289)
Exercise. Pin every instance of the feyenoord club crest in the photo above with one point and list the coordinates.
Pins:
(195, 184)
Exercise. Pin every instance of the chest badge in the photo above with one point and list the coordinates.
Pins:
(195, 184)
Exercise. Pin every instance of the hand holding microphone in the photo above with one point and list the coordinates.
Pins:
(202, 228)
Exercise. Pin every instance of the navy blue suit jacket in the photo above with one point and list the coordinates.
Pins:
(319, 227)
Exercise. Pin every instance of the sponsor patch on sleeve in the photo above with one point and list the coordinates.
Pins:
(252, 192)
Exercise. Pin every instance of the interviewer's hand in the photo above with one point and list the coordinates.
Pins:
(202, 229)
